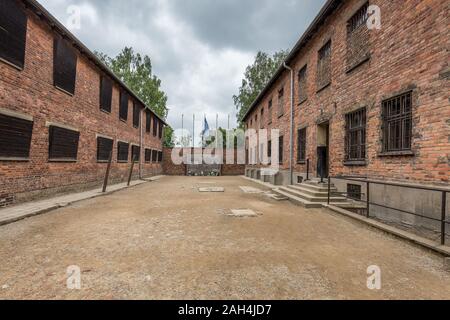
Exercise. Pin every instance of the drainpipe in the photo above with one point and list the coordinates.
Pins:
(141, 143)
(291, 155)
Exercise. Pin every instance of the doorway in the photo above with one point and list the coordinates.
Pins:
(323, 150)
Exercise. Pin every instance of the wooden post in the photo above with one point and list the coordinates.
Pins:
(131, 170)
(108, 169)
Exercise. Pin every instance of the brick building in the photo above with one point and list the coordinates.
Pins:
(366, 103)
(63, 112)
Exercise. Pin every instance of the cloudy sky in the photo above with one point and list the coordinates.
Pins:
(199, 48)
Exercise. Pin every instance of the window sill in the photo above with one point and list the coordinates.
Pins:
(122, 161)
(407, 153)
(62, 160)
(355, 163)
(356, 65)
(105, 111)
(65, 91)
(102, 161)
(301, 162)
(19, 68)
(14, 159)
(323, 87)
(123, 120)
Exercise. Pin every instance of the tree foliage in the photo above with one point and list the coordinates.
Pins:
(255, 79)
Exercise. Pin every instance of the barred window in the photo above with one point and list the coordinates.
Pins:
(136, 153)
(301, 145)
(269, 151)
(160, 156)
(397, 123)
(148, 155)
(63, 143)
(104, 148)
(148, 121)
(136, 115)
(359, 19)
(356, 135)
(64, 65)
(15, 137)
(122, 151)
(302, 84)
(13, 33)
(105, 94)
(354, 191)
(123, 110)
(358, 36)
(324, 66)
(261, 120)
(281, 102)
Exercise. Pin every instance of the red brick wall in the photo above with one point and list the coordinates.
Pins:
(171, 169)
(409, 52)
(31, 92)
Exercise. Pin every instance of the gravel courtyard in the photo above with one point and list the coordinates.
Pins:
(166, 240)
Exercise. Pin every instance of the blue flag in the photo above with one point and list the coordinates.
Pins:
(205, 131)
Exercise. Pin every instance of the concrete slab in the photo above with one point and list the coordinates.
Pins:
(247, 189)
(212, 189)
(243, 213)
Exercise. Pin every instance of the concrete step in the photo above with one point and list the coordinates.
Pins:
(317, 187)
(310, 198)
(312, 191)
(297, 200)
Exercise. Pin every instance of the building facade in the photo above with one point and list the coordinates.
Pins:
(63, 113)
(367, 102)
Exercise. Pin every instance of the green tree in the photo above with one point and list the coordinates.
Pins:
(136, 72)
(169, 139)
(255, 79)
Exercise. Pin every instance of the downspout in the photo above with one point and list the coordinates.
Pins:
(291, 154)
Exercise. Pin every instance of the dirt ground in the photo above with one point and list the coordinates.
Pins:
(166, 240)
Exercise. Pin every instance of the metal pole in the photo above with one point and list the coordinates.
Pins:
(131, 170)
(368, 200)
(444, 216)
(193, 131)
(108, 169)
(307, 170)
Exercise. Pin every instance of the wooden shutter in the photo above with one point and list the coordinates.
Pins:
(15, 137)
(155, 126)
(123, 112)
(148, 121)
(122, 151)
(64, 65)
(136, 152)
(136, 115)
(104, 148)
(105, 94)
(148, 155)
(63, 144)
(13, 32)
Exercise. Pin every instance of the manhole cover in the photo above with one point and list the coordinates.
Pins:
(215, 189)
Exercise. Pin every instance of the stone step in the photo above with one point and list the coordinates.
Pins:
(317, 187)
(312, 191)
(297, 200)
(310, 198)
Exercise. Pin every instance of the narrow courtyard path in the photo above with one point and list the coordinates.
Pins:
(166, 240)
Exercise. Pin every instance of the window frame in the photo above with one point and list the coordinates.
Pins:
(105, 81)
(111, 141)
(119, 145)
(324, 56)
(301, 145)
(62, 68)
(136, 115)
(281, 102)
(302, 78)
(123, 107)
(404, 116)
(26, 135)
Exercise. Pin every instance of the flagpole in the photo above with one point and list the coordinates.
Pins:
(193, 131)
